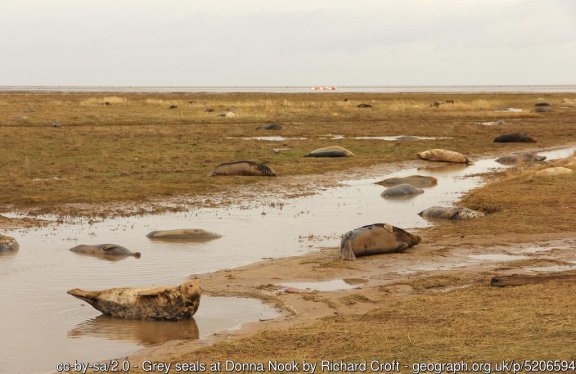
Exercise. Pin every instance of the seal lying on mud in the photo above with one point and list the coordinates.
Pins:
(514, 138)
(184, 234)
(520, 158)
(270, 126)
(454, 213)
(246, 168)
(104, 250)
(443, 155)
(415, 180)
(333, 151)
(8, 244)
(401, 190)
(375, 239)
(160, 303)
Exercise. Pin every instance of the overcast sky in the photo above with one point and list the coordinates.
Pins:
(287, 42)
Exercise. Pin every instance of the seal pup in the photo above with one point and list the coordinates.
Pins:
(104, 250)
(375, 239)
(8, 244)
(415, 180)
(245, 168)
(401, 190)
(443, 155)
(362, 105)
(333, 151)
(184, 234)
(270, 126)
(159, 303)
(514, 138)
(453, 213)
(520, 158)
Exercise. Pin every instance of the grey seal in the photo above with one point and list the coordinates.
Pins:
(402, 190)
(158, 303)
(520, 158)
(414, 180)
(270, 126)
(514, 138)
(243, 168)
(334, 151)
(183, 234)
(443, 155)
(374, 239)
(104, 250)
(453, 213)
(8, 244)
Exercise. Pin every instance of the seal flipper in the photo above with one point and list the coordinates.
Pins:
(91, 297)
(401, 247)
(346, 250)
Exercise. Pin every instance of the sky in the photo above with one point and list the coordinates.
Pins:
(287, 42)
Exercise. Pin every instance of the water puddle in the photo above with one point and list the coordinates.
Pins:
(33, 282)
(551, 269)
(326, 286)
(269, 138)
(385, 138)
(498, 257)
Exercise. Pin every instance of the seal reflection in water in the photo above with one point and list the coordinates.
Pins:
(245, 168)
(159, 303)
(376, 239)
(144, 332)
(8, 245)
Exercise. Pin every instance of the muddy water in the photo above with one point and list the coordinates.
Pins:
(41, 325)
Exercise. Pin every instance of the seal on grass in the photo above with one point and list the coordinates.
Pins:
(246, 168)
(184, 234)
(453, 213)
(443, 155)
(514, 138)
(158, 303)
(415, 180)
(333, 151)
(270, 126)
(104, 250)
(376, 239)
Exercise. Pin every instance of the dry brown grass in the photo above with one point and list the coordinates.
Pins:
(516, 204)
(137, 148)
(473, 324)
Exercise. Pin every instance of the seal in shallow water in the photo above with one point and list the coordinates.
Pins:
(8, 245)
(184, 234)
(159, 303)
(520, 158)
(443, 155)
(415, 180)
(243, 168)
(104, 250)
(375, 239)
(514, 138)
(401, 190)
(454, 213)
(333, 151)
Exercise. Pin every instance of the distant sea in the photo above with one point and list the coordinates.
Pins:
(297, 89)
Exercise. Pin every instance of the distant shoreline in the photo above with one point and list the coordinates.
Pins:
(293, 89)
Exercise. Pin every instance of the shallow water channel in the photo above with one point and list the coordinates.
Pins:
(41, 325)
